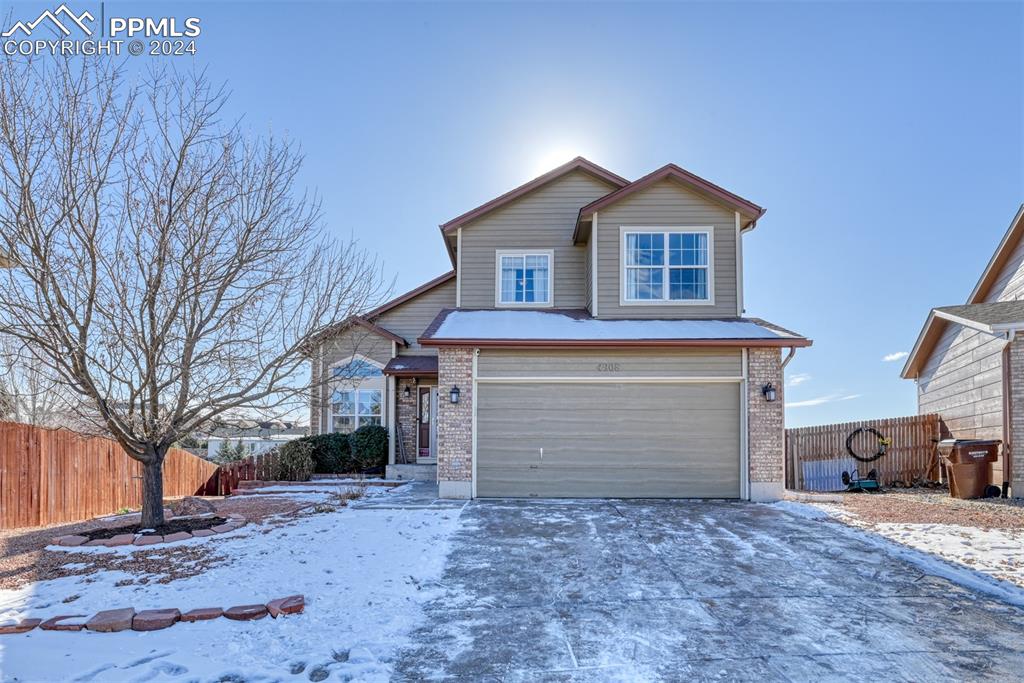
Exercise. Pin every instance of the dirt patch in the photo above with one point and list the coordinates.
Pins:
(23, 558)
(924, 506)
(171, 526)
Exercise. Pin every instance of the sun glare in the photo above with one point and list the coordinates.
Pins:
(553, 158)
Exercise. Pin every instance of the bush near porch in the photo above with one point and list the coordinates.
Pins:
(366, 448)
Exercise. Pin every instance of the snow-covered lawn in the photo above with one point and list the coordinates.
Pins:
(995, 552)
(365, 574)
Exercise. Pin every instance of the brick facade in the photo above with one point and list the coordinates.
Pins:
(455, 423)
(405, 413)
(1016, 431)
(765, 425)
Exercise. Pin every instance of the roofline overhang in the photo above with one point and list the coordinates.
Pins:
(619, 343)
(319, 338)
(411, 373)
(745, 207)
(999, 257)
(912, 368)
(411, 294)
(579, 163)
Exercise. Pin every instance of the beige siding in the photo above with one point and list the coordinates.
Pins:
(666, 204)
(611, 363)
(338, 350)
(608, 440)
(543, 219)
(411, 318)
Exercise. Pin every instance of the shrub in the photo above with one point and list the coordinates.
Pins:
(295, 462)
(331, 453)
(369, 446)
(229, 453)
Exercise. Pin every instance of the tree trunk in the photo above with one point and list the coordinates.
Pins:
(153, 491)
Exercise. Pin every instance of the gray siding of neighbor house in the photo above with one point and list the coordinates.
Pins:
(542, 219)
(666, 204)
(962, 380)
(338, 350)
(611, 363)
(411, 318)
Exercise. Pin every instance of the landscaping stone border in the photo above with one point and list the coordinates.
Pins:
(235, 521)
(125, 618)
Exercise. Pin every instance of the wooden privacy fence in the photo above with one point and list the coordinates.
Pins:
(261, 467)
(50, 476)
(817, 456)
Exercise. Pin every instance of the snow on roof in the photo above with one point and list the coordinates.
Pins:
(540, 325)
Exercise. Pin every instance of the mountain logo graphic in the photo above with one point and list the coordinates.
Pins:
(53, 18)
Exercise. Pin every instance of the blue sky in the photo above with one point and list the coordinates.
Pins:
(885, 139)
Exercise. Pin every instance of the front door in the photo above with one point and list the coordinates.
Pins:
(426, 418)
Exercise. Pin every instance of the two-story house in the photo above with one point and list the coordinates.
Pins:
(589, 342)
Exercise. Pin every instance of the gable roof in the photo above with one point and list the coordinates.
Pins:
(577, 164)
(366, 319)
(993, 317)
(745, 207)
(411, 294)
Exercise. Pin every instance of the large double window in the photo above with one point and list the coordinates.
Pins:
(356, 395)
(666, 265)
(524, 278)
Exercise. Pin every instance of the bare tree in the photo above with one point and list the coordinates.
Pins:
(30, 391)
(165, 267)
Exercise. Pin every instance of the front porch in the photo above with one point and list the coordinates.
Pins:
(413, 394)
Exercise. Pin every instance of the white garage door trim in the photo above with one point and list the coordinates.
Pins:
(741, 380)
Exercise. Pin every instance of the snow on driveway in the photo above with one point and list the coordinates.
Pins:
(365, 573)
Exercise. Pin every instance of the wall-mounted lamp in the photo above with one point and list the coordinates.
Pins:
(454, 395)
(408, 391)
(769, 392)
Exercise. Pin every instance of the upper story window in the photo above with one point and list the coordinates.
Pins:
(666, 266)
(524, 278)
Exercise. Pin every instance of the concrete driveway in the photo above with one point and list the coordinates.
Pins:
(691, 590)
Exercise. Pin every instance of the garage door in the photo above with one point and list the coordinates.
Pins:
(608, 440)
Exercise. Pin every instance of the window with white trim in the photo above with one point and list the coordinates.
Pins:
(356, 395)
(524, 278)
(666, 265)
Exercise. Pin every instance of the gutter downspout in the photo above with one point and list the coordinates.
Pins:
(789, 357)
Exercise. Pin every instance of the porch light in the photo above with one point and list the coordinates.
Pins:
(769, 392)
(407, 391)
(455, 394)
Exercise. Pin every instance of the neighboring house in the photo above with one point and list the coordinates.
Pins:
(968, 361)
(590, 342)
(255, 439)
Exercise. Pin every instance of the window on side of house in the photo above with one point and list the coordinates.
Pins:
(524, 278)
(356, 395)
(667, 265)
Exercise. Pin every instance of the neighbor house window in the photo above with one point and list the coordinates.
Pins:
(356, 396)
(666, 265)
(524, 278)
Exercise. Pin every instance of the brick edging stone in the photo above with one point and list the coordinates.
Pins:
(234, 522)
(125, 618)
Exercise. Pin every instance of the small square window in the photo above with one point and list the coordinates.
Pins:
(524, 278)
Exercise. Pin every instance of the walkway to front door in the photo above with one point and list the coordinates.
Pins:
(426, 430)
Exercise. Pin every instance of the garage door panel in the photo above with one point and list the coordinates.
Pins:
(608, 439)
(624, 482)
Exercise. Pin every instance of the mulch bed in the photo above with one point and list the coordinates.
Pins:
(172, 526)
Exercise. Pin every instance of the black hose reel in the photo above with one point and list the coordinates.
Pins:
(883, 444)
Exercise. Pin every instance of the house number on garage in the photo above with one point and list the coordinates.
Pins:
(609, 367)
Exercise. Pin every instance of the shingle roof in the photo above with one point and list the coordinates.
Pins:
(411, 366)
(990, 315)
